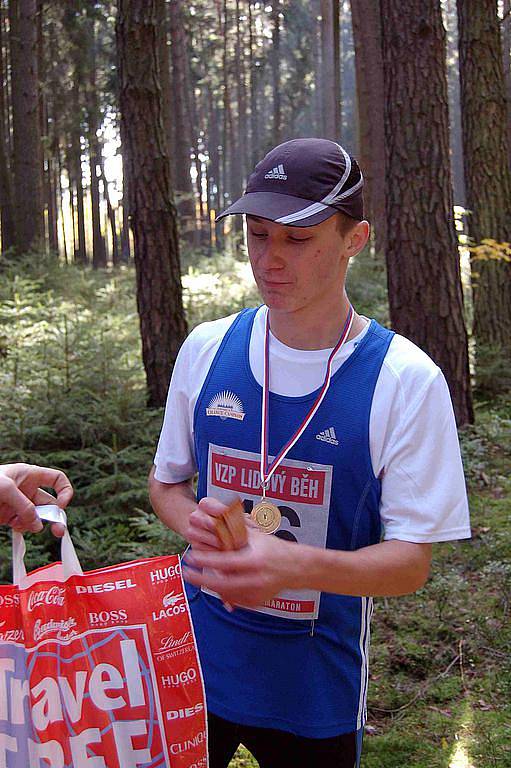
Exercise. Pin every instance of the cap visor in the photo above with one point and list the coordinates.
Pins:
(275, 206)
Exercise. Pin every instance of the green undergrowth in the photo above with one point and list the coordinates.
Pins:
(72, 393)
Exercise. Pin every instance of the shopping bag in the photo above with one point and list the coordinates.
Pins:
(99, 669)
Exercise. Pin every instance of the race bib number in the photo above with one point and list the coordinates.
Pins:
(300, 489)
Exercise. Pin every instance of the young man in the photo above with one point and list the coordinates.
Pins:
(340, 439)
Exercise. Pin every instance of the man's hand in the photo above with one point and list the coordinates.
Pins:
(267, 565)
(20, 491)
(201, 525)
(248, 576)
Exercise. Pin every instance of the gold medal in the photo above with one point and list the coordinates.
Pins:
(267, 516)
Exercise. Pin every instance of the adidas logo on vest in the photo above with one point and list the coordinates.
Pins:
(277, 173)
(328, 436)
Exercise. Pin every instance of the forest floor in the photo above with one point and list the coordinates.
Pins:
(72, 393)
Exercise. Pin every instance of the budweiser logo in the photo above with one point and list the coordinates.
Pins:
(170, 642)
(63, 628)
(51, 596)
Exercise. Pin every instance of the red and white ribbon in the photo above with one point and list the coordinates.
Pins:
(267, 469)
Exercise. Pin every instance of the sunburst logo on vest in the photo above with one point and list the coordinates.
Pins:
(227, 405)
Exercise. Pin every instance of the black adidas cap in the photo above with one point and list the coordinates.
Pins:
(302, 182)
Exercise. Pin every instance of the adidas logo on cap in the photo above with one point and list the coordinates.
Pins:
(277, 173)
(328, 436)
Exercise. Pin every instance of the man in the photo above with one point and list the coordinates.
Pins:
(20, 490)
(339, 437)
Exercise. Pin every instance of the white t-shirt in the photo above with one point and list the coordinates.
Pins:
(412, 431)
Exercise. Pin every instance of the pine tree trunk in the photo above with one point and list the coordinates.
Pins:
(453, 85)
(275, 68)
(125, 229)
(423, 266)
(6, 195)
(98, 242)
(253, 70)
(242, 97)
(116, 256)
(28, 194)
(365, 15)
(331, 73)
(487, 174)
(58, 187)
(153, 215)
(506, 61)
(75, 166)
(318, 70)
(182, 182)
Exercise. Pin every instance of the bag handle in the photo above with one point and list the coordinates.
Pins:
(70, 563)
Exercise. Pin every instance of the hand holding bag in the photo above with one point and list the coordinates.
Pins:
(98, 669)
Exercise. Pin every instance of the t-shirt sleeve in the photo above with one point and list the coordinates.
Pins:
(175, 455)
(424, 495)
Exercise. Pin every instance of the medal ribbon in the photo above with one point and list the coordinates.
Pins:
(267, 469)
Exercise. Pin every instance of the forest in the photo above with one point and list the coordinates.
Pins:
(125, 128)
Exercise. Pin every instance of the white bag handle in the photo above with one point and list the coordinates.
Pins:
(70, 563)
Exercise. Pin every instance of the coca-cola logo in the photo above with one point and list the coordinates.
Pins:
(51, 596)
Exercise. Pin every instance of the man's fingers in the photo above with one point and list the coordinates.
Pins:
(58, 530)
(224, 561)
(212, 506)
(24, 516)
(43, 497)
(203, 539)
(56, 479)
(235, 591)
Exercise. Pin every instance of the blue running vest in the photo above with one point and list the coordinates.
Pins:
(300, 663)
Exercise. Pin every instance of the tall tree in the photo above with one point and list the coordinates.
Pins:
(181, 150)
(6, 194)
(93, 119)
(365, 16)
(506, 61)
(152, 212)
(423, 266)
(275, 68)
(28, 194)
(487, 173)
(331, 69)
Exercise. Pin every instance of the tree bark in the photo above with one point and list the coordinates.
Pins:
(365, 16)
(275, 68)
(331, 74)
(98, 241)
(6, 195)
(506, 61)
(242, 97)
(423, 265)
(487, 174)
(254, 118)
(28, 194)
(116, 256)
(153, 215)
(75, 166)
(182, 182)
